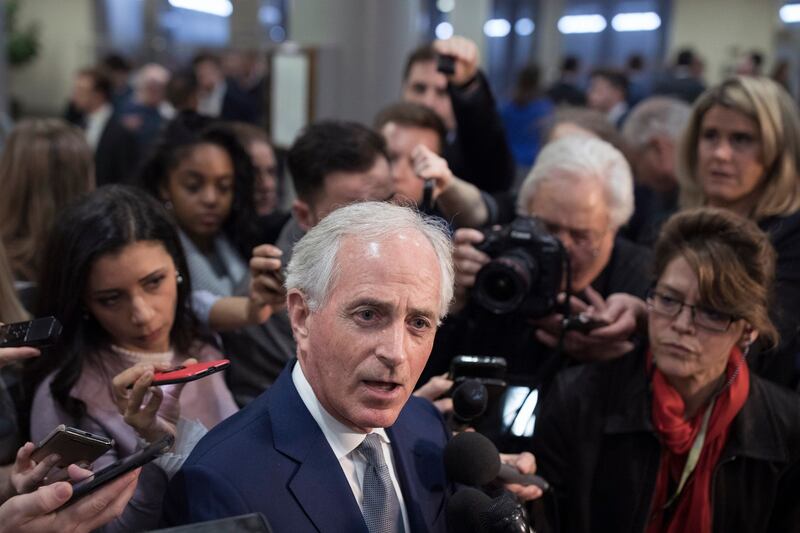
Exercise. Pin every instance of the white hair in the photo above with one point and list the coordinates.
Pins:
(657, 115)
(313, 267)
(583, 157)
(151, 73)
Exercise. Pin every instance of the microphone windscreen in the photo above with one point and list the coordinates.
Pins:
(504, 515)
(464, 509)
(470, 400)
(471, 459)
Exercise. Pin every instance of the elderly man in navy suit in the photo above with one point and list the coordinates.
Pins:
(338, 444)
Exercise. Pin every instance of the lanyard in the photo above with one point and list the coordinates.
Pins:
(694, 454)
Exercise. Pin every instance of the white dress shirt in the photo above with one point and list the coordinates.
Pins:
(96, 123)
(211, 104)
(343, 441)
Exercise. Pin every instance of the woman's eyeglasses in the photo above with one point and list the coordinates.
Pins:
(702, 317)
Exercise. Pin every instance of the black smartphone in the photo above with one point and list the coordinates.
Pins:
(120, 467)
(487, 370)
(446, 64)
(38, 332)
(73, 445)
(583, 323)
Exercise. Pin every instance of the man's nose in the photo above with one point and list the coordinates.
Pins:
(392, 350)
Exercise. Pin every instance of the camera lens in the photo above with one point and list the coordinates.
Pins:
(501, 285)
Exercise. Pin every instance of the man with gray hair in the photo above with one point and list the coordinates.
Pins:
(653, 130)
(581, 191)
(338, 443)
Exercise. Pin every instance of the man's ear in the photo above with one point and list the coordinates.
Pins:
(299, 313)
(303, 214)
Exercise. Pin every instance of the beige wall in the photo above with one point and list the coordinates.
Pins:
(468, 18)
(721, 29)
(67, 43)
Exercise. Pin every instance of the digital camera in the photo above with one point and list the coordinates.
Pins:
(525, 273)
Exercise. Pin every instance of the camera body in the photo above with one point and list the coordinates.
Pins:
(526, 270)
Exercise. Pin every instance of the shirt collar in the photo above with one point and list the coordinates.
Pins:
(342, 439)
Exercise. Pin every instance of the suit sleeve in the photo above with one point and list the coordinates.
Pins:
(486, 157)
(199, 494)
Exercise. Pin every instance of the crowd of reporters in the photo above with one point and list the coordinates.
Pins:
(152, 229)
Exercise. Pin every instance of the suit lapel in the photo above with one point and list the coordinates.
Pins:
(319, 484)
(415, 459)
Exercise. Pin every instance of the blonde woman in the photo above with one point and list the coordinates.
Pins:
(741, 152)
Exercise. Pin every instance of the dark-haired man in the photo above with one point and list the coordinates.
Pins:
(476, 147)
(608, 93)
(415, 137)
(115, 148)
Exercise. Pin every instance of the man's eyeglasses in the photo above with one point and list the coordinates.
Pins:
(702, 317)
(587, 239)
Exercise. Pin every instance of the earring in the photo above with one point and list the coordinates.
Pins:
(168, 205)
(178, 278)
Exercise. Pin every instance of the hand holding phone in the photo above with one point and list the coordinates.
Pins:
(583, 323)
(151, 411)
(120, 467)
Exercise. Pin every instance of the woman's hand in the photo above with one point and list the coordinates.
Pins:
(12, 355)
(27, 474)
(154, 416)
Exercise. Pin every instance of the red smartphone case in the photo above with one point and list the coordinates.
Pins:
(190, 373)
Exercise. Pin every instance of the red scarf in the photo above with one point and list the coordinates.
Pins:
(692, 510)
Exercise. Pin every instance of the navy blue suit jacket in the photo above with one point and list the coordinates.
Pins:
(273, 458)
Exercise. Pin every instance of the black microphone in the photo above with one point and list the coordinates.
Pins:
(504, 515)
(472, 459)
(464, 509)
(469, 402)
(471, 511)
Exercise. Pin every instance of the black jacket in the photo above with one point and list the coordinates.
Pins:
(596, 445)
(117, 155)
(479, 152)
(782, 365)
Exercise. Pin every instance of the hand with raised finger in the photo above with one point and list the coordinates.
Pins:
(466, 55)
(428, 165)
(525, 463)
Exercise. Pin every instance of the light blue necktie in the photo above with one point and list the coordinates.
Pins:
(381, 507)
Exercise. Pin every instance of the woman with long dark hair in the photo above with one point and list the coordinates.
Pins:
(117, 280)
